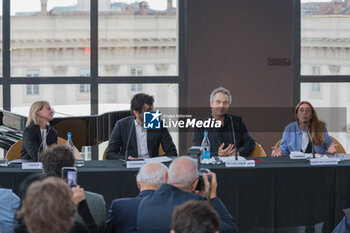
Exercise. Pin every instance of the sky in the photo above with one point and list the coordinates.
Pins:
(34, 5)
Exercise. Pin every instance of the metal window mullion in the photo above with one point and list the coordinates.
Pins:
(182, 63)
(296, 52)
(6, 59)
(94, 56)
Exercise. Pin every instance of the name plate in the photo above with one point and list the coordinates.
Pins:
(237, 163)
(320, 162)
(135, 164)
(32, 165)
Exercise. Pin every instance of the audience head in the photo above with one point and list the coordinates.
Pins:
(38, 111)
(220, 100)
(183, 173)
(56, 157)
(141, 102)
(28, 181)
(151, 176)
(195, 217)
(48, 207)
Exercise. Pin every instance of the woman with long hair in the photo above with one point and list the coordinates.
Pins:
(38, 133)
(296, 134)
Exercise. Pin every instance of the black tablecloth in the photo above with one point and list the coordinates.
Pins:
(278, 195)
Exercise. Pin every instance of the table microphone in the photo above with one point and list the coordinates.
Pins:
(127, 142)
(312, 142)
(234, 138)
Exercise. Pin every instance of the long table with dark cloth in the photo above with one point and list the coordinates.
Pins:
(278, 195)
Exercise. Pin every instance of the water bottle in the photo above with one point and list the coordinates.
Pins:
(70, 143)
(206, 146)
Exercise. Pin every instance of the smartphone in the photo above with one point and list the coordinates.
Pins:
(69, 175)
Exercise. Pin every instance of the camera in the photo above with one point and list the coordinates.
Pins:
(201, 185)
(69, 175)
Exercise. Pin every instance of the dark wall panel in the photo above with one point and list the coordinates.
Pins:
(229, 42)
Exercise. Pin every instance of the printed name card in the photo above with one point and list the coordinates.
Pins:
(242, 163)
(33, 165)
(135, 164)
(327, 161)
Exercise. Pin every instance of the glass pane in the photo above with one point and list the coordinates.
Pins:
(67, 100)
(1, 40)
(325, 37)
(138, 38)
(1, 97)
(51, 37)
(117, 97)
(334, 102)
(2, 152)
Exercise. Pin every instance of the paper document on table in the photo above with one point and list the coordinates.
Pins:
(302, 155)
(297, 155)
(160, 159)
(231, 159)
(18, 161)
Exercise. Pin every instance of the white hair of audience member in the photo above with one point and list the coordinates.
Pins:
(152, 173)
(183, 171)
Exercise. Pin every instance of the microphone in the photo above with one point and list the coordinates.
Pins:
(234, 138)
(310, 138)
(42, 144)
(128, 141)
(64, 114)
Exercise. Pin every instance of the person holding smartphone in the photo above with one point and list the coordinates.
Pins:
(155, 211)
(50, 200)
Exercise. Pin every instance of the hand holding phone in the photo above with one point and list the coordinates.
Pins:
(78, 194)
(69, 175)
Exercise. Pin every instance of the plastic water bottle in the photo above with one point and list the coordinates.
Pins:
(70, 143)
(206, 146)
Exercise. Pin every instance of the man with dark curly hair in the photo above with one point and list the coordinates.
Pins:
(130, 140)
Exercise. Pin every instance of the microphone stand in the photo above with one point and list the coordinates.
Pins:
(234, 138)
(310, 138)
(127, 142)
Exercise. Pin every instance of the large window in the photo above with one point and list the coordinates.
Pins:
(138, 33)
(325, 57)
(54, 34)
(79, 54)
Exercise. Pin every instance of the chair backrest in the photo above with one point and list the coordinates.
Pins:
(63, 141)
(161, 152)
(278, 144)
(15, 151)
(258, 151)
(104, 157)
(340, 149)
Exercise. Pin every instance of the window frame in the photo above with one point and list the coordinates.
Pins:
(94, 79)
(298, 78)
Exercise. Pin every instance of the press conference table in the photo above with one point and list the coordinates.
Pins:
(277, 195)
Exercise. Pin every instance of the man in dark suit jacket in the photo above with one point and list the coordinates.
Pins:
(155, 211)
(129, 137)
(221, 139)
(122, 215)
